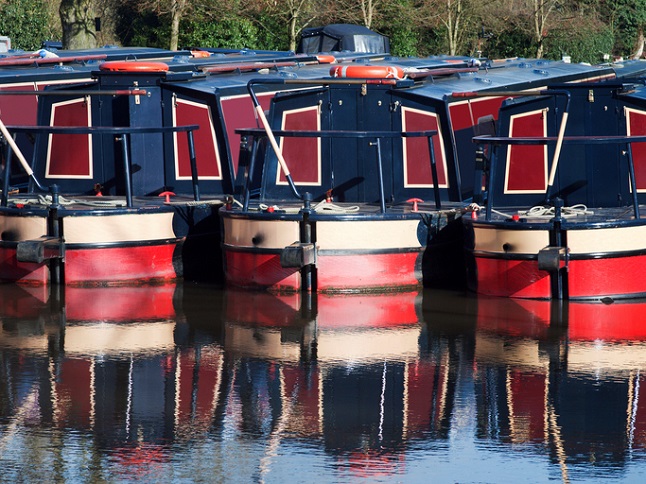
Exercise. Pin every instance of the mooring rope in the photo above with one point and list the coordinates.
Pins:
(549, 212)
(542, 211)
(98, 202)
(321, 207)
(47, 200)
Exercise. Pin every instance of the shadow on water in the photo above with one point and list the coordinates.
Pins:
(370, 386)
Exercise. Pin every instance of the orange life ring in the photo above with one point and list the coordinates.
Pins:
(326, 59)
(368, 72)
(200, 54)
(134, 66)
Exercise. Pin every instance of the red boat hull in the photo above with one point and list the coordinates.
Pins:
(334, 273)
(100, 247)
(587, 278)
(602, 262)
(372, 254)
(98, 266)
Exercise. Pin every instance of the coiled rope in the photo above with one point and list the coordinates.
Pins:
(541, 211)
(321, 207)
(98, 202)
(47, 200)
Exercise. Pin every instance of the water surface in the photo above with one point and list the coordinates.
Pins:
(191, 383)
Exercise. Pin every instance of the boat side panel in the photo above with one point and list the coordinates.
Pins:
(613, 276)
(261, 234)
(98, 266)
(598, 242)
(511, 278)
(606, 241)
(369, 271)
(367, 235)
(606, 262)
(118, 228)
(259, 269)
(119, 265)
(69, 155)
(206, 148)
(28, 273)
(351, 255)
(501, 241)
(252, 253)
(590, 278)
(13, 229)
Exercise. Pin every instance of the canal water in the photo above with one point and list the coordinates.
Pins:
(191, 383)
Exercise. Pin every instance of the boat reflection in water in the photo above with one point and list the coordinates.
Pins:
(189, 382)
(569, 376)
(344, 370)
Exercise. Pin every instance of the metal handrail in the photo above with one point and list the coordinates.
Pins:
(124, 133)
(574, 140)
(257, 133)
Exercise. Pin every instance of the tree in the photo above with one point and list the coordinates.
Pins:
(456, 18)
(541, 12)
(77, 22)
(627, 19)
(27, 23)
(295, 15)
(362, 12)
(175, 10)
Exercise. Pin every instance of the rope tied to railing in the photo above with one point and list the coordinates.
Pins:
(543, 211)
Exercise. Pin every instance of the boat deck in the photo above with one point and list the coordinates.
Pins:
(349, 211)
(93, 203)
(574, 215)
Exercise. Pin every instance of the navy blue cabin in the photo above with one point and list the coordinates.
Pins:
(346, 159)
(591, 172)
(79, 163)
(349, 167)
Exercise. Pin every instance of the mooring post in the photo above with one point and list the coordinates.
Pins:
(306, 238)
(54, 229)
(558, 278)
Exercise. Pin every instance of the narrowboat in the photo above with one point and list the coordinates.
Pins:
(24, 76)
(358, 184)
(562, 196)
(129, 168)
(108, 192)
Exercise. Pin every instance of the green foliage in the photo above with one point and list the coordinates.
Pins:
(404, 42)
(142, 29)
(227, 32)
(271, 34)
(433, 42)
(509, 43)
(583, 29)
(27, 23)
(582, 44)
(627, 19)
(583, 38)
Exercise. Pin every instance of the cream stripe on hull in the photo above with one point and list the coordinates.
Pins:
(582, 241)
(99, 229)
(332, 235)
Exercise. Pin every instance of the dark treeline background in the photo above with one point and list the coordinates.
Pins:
(586, 30)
